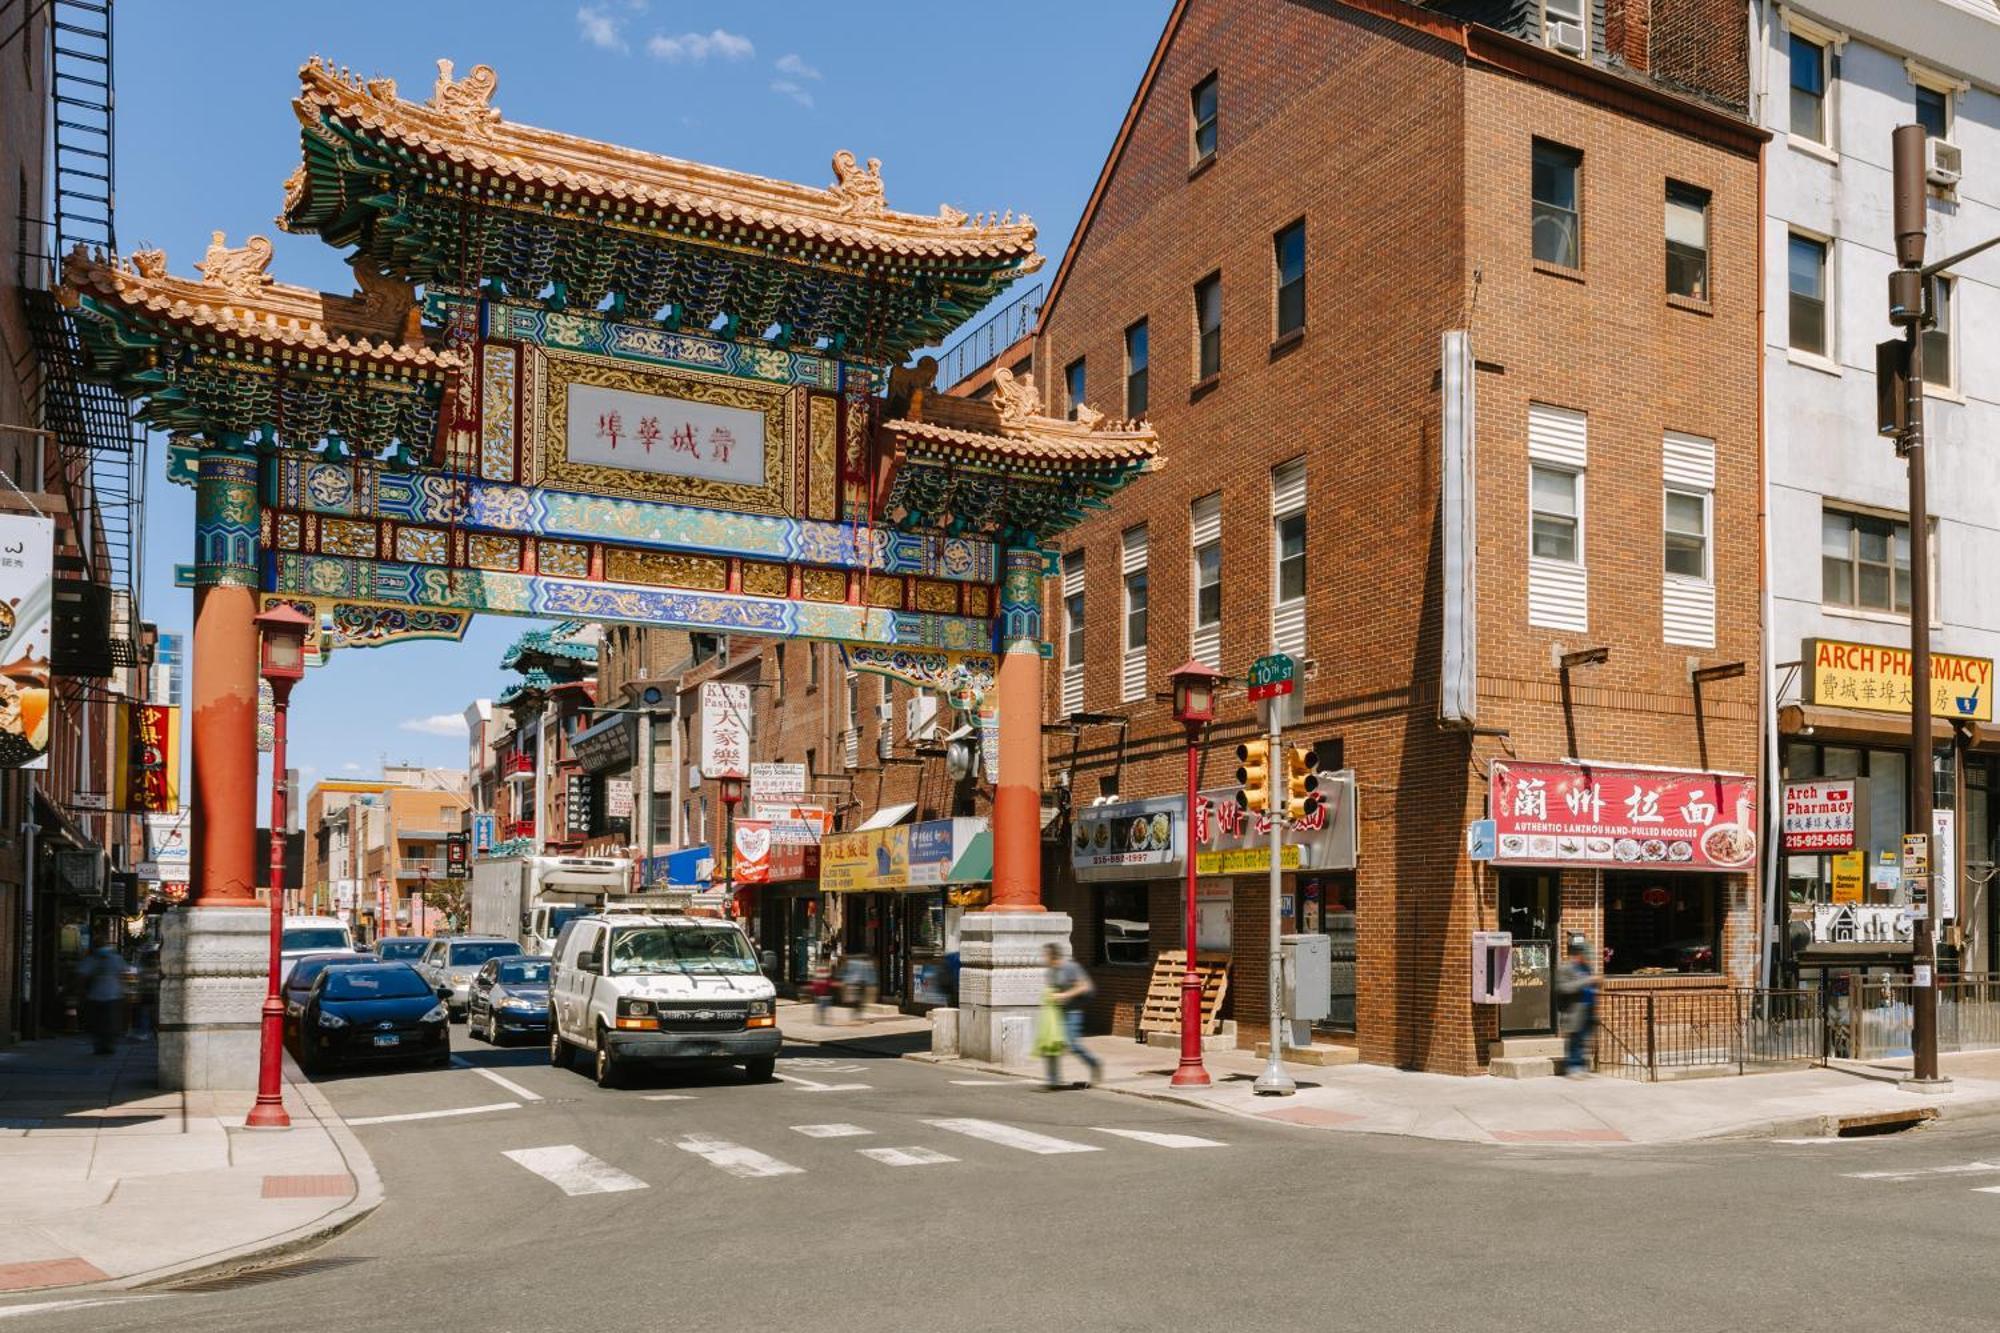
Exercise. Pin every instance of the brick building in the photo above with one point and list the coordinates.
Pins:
(1513, 545)
(374, 846)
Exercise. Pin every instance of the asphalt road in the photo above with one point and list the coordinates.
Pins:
(870, 1193)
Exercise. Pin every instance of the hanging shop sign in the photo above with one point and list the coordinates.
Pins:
(576, 805)
(27, 572)
(618, 798)
(483, 829)
(456, 855)
(1583, 815)
(762, 859)
(167, 847)
(725, 730)
(607, 746)
(1822, 815)
(1878, 679)
(1230, 840)
(1853, 923)
(907, 856)
(152, 749)
(1129, 839)
(777, 782)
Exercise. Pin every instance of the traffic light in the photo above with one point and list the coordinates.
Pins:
(1253, 775)
(1302, 796)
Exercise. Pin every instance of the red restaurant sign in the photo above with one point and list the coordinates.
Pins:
(1587, 815)
(1822, 816)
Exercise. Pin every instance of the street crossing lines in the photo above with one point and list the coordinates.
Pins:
(525, 1094)
(574, 1171)
(433, 1115)
(667, 1097)
(905, 1156)
(811, 1085)
(836, 1131)
(1919, 1172)
(1011, 1136)
(734, 1158)
(1159, 1140)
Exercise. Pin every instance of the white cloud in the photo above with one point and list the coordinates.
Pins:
(600, 29)
(786, 88)
(791, 63)
(437, 724)
(350, 767)
(697, 46)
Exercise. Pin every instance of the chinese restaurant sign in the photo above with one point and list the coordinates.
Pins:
(1821, 816)
(27, 571)
(1129, 839)
(152, 759)
(1877, 678)
(1230, 840)
(1572, 814)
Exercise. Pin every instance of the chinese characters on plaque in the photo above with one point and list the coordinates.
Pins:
(676, 437)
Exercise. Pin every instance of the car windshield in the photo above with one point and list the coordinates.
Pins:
(314, 937)
(401, 948)
(525, 973)
(675, 948)
(478, 951)
(306, 969)
(375, 982)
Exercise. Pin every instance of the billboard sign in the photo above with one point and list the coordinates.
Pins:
(1623, 818)
(27, 577)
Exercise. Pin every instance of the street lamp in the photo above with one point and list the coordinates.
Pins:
(730, 789)
(1194, 708)
(283, 665)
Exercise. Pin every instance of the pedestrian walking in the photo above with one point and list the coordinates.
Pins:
(146, 1000)
(1576, 1006)
(101, 979)
(822, 992)
(859, 976)
(1069, 986)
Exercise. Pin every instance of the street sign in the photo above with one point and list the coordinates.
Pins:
(456, 847)
(90, 800)
(1271, 675)
(1916, 854)
(1480, 840)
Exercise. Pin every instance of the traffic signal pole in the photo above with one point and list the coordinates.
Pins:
(1274, 1081)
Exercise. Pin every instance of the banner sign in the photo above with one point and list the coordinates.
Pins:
(1129, 839)
(906, 856)
(167, 845)
(152, 749)
(1230, 840)
(1573, 814)
(27, 575)
(456, 851)
(777, 782)
(675, 437)
(576, 805)
(483, 829)
(1822, 815)
(1877, 678)
(762, 859)
(725, 730)
(618, 798)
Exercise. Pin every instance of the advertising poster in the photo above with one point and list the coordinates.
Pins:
(27, 576)
(152, 759)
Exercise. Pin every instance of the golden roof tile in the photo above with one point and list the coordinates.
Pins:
(460, 126)
(237, 295)
(1010, 426)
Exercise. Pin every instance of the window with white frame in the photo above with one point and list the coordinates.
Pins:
(1132, 679)
(1938, 370)
(1687, 241)
(1558, 454)
(1687, 594)
(1205, 574)
(851, 732)
(1564, 25)
(1806, 279)
(1811, 77)
(1072, 594)
(1288, 568)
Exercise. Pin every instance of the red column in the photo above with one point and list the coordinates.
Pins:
(222, 698)
(1017, 796)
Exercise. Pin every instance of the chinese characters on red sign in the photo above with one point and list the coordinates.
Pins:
(152, 758)
(1591, 815)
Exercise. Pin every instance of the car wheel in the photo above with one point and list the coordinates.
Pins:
(606, 1065)
(558, 1048)
(761, 1071)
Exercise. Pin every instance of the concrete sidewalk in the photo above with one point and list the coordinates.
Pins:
(1598, 1109)
(112, 1182)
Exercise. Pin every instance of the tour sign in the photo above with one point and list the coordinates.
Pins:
(1271, 676)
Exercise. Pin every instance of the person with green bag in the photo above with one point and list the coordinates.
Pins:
(1060, 1026)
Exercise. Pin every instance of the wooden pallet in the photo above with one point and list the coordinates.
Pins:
(1163, 994)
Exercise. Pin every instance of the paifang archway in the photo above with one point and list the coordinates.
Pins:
(577, 380)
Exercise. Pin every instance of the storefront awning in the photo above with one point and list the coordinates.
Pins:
(1825, 722)
(887, 817)
(929, 855)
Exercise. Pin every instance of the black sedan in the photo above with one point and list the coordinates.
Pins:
(358, 1013)
(510, 998)
(298, 985)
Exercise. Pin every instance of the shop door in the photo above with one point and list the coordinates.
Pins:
(1530, 902)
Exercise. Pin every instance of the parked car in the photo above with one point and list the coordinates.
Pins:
(298, 982)
(301, 935)
(450, 963)
(402, 948)
(364, 1012)
(509, 998)
(663, 990)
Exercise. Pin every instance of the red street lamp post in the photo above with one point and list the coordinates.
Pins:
(730, 789)
(1194, 708)
(283, 664)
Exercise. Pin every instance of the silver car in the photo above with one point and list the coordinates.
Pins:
(451, 962)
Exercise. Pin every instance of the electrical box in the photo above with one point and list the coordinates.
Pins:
(1308, 976)
(1492, 966)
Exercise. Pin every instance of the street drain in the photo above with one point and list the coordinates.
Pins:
(1887, 1122)
(257, 1277)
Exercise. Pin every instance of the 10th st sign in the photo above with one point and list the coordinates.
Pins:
(1271, 676)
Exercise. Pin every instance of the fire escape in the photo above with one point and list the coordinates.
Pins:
(99, 461)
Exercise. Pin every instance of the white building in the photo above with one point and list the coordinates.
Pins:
(1830, 79)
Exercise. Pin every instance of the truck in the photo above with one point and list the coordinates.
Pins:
(528, 898)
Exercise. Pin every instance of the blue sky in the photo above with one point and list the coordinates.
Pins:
(983, 107)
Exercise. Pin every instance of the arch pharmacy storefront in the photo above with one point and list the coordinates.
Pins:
(1655, 866)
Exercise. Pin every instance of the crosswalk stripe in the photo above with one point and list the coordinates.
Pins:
(1163, 1140)
(524, 1094)
(666, 1097)
(906, 1156)
(1914, 1172)
(574, 1171)
(1011, 1136)
(734, 1158)
(433, 1115)
(840, 1131)
(1986, 1189)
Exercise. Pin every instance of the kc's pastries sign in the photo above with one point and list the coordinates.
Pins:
(1657, 819)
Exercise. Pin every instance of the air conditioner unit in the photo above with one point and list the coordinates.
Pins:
(1943, 163)
(1565, 36)
(885, 744)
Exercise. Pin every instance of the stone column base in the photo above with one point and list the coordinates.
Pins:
(214, 970)
(1001, 979)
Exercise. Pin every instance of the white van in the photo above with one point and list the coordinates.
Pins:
(301, 935)
(661, 989)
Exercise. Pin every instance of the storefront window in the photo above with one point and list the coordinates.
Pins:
(1656, 924)
(1124, 924)
(1884, 777)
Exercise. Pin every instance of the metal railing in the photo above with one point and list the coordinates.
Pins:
(1672, 1033)
(1871, 1019)
(983, 345)
(421, 865)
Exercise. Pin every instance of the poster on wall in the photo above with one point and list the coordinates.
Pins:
(27, 574)
(1822, 815)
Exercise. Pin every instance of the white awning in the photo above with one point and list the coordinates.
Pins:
(887, 817)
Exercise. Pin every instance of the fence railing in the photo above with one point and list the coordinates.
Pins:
(1873, 1018)
(1668, 1033)
(982, 346)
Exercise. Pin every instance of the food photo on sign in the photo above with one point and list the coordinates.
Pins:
(1596, 815)
(27, 572)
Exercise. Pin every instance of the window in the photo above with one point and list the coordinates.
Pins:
(1864, 561)
(1208, 327)
(1561, 11)
(1291, 557)
(1809, 64)
(1201, 104)
(1288, 253)
(1124, 924)
(1555, 515)
(1937, 337)
(1934, 111)
(1205, 542)
(1806, 272)
(1132, 683)
(781, 668)
(812, 666)
(1072, 590)
(1687, 241)
(1073, 382)
(1136, 358)
(1556, 222)
(1656, 923)
(1687, 534)
(1288, 568)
